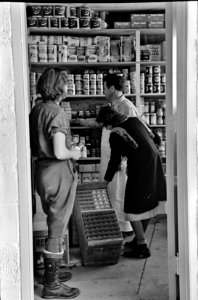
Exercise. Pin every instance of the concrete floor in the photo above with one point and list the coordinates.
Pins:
(129, 279)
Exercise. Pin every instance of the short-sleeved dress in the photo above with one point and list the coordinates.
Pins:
(55, 180)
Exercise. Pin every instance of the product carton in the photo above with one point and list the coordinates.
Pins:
(103, 48)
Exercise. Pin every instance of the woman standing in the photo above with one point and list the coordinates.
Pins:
(146, 184)
(55, 174)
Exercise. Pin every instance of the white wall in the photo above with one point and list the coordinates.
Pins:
(10, 282)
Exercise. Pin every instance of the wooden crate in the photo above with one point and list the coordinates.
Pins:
(98, 229)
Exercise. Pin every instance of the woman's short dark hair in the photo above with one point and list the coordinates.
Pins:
(51, 82)
(107, 115)
(116, 80)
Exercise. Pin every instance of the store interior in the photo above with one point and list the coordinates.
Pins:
(90, 41)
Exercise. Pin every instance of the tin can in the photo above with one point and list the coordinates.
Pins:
(156, 70)
(147, 118)
(149, 70)
(162, 88)
(148, 88)
(152, 107)
(160, 112)
(127, 87)
(64, 22)
(163, 78)
(32, 22)
(36, 10)
(96, 22)
(146, 107)
(73, 12)
(160, 120)
(73, 22)
(148, 79)
(153, 119)
(85, 23)
(43, 22)
(59, 10)
(54, 22)
(33, 53)
(47, 11)
(156, 79)
(156, 88)
(84, 12)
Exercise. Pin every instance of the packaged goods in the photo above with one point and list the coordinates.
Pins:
(85, 23)
(72, 58)
(71, 40)
(42, 53)
(55, 40)
(52, 53)
(73, 22)
(135, 24)
(156, 24)
(156, 88)
(156, 17)
(127, 48)
(103, 48)
(32, 22)
(32, 39)
(64, 22)
(84, 12)
(115, 50)
(48, 11)
(85, 41)
(72, 50)
(43, 22)
(139, 17)
(155, 52)
(122, 25)
(54, 22)
(144, 53)
(96, 23)
(36, 10)
(59, 11)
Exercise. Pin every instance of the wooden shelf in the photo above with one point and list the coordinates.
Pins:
(93, 32)
(89, 158)
(153, 95)
(86, 64)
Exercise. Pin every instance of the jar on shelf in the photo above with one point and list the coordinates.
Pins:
(153, 119)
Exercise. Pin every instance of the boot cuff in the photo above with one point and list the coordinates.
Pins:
(53, 255)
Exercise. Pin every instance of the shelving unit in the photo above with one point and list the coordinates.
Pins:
(89, 166)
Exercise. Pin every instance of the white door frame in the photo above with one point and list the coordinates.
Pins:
(22, 104)
(186, 24)
(181, 17)
(182, 148)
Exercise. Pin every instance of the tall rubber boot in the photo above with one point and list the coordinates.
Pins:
(53, 288)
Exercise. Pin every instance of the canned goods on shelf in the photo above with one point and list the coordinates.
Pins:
(147, 118)
(156, 79)
(85, 23)
(146, 107)
(48, 11)
(156, 70)
(149, 70)
(148, 79)
(162, 88)
(148, 88)
(73, 22)
(54, 22)
(64, 22)
(160, 120)
(163, 78)
(153, 119)
(152, 107)
(156, 88)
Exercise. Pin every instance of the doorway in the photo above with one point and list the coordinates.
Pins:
(182, 22)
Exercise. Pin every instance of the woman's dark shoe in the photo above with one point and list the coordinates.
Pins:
(139, 251)
(127, 234)
(131, 244)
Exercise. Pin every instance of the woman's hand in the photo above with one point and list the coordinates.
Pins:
(76, 153)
